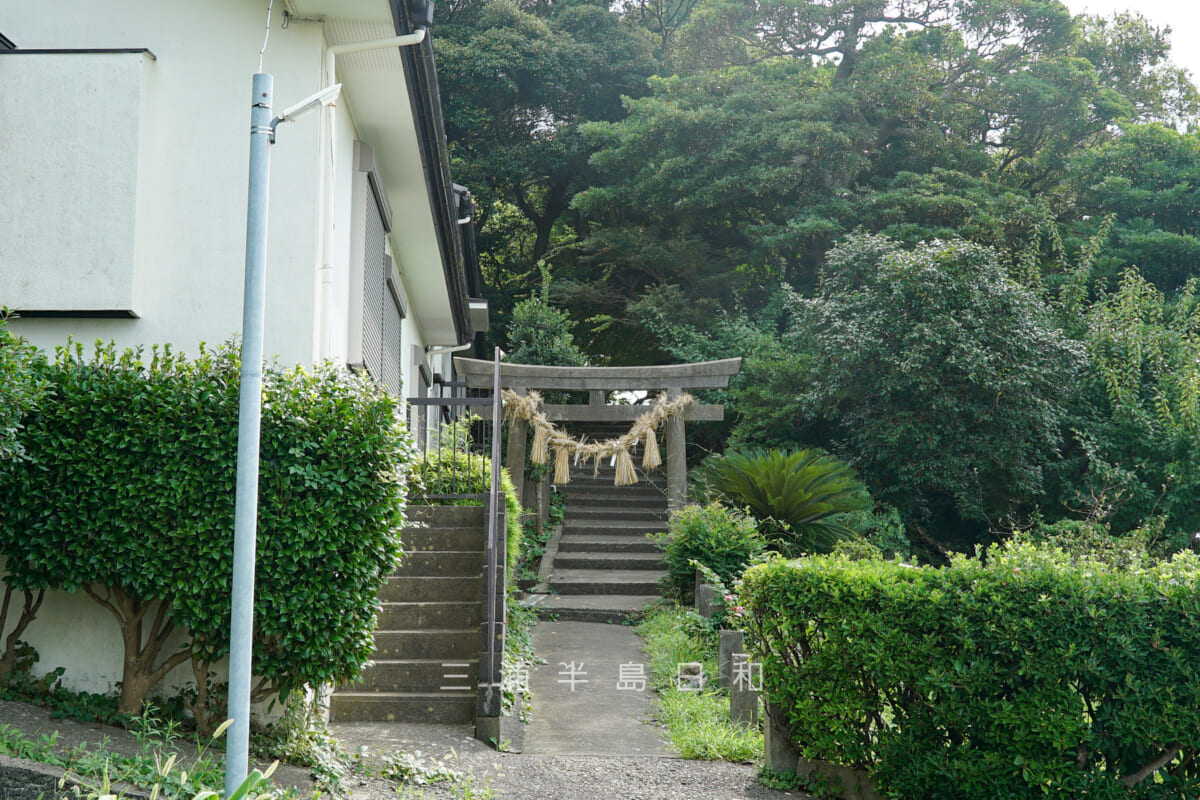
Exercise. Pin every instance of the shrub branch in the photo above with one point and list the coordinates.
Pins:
(139, 672)
(1152, 767)
(28, 611)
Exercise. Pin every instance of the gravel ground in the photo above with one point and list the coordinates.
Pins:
(532, 777)
(542, 777)
(504, 775)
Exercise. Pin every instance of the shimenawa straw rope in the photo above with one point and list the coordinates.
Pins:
(547, 436)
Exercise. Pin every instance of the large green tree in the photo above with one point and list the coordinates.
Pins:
(959, 115)
(517, 81)
(942, 379)
(539, 333)
(1149, 179)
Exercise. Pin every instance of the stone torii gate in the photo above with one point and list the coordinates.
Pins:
(597, 381)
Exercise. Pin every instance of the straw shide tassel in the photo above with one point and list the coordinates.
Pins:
(539, 453)
(546, 436)
(626, 475)
(562, 465)
(651, 458)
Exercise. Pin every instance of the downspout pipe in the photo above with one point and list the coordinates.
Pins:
(432, 351)
(328, 182)
(438, 351)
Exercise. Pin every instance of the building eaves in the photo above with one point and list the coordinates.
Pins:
(421, 74)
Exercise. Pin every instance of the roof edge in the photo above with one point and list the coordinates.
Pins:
(420, 73)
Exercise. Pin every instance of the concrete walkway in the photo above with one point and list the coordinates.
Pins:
(578, 707)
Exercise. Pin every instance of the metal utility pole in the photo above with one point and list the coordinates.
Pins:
(245, 522)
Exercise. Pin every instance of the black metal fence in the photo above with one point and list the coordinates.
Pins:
(454, 434)
(458, 437)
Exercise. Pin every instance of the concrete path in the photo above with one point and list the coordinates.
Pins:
(578, 708)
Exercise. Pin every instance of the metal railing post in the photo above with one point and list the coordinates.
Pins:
(490, 695)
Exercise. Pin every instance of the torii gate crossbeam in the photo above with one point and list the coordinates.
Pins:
(674, 379)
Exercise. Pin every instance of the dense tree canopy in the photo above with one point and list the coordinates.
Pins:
(915, 218)
(518, 80)
(1149, 177)
(758, 168)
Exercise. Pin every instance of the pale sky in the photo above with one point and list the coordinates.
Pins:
(1183, 16)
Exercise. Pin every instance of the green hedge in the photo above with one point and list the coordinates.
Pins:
(127, 492)
(1035, 674)
(453, 472)
(20, 387)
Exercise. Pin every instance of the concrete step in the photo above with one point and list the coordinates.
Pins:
(602, 515)
(608, 521)
(599, 490)
(595, 560)
(419, 675)
(591, 608)
(419, 616)
(466, 539)
(610, 502)
(446, 516)
(621, 543)
(624, 511)
(606, 581)
(440, 563)
(448, 707)
(409, 589)
(600, 527)
(443, 643)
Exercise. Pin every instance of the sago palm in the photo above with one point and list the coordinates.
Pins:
(797, 497)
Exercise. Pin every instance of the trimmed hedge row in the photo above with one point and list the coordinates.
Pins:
(127, 492)
(1031, 674)
(20, 386)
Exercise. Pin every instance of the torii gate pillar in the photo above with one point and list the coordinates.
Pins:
(676, 457)
(515, 461)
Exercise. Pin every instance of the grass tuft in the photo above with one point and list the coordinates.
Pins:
(699, 722)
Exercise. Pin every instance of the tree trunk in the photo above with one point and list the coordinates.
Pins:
(141, 669)
(199, 706)
(8, 661)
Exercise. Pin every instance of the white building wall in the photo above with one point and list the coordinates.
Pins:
(191, 183)
(69, 259)
(191, 196)
(190, 210)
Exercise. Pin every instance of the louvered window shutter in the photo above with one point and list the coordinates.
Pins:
(376, 305)
(374, 294)
(393, 314)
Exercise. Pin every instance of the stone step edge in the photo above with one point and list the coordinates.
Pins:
(406, 696)
(647, 557)
(605, 576)
(375, 662)
(430, 631)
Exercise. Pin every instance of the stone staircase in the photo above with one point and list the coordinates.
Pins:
(603, 567)
(427, 643)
